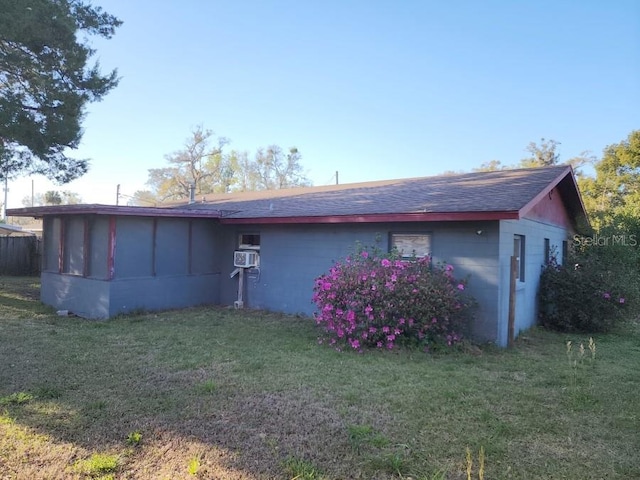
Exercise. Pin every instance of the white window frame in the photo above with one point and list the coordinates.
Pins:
(419, 239)
(247, 241)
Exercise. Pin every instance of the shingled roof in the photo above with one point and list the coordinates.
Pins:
(503, 194)
(479, 195)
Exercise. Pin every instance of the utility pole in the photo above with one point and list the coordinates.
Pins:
(4, 205)
(336, 177)
(118, 195)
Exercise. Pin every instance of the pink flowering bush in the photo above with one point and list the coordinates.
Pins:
(379, 300)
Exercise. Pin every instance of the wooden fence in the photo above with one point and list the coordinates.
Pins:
(20, 255)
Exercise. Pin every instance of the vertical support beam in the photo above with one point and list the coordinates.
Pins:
(240, 302)
(86, 251)
(153, 246)
(61, 246)
(46, 232)
(111, 249)
(512, 301)
(190, 252)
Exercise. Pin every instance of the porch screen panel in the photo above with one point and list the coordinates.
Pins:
(73, 255)
(98, 247)
(52, 227)
(172, 247)
(134, 247)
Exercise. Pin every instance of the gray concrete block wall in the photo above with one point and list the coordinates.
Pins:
(163, 293)
(134, 286)
(205, 247)
(535, 232)
(293, 256)
(85, 297)
(183, 271)
(473, 256)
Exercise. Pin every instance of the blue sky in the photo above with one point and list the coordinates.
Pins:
(371, 89)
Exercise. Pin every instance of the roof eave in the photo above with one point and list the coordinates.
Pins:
(38, 212)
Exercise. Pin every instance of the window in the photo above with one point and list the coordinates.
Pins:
(249, 241)
(411, 244)
(518, 252)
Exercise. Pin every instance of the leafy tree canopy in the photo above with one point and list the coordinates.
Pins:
(279, 169)
(203, 164)
(492, 166)
(46, 80)
(52, 197)
(198, 163)
(543, 155)
(613, 195)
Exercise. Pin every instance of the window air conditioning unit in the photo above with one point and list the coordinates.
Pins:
(245, 259)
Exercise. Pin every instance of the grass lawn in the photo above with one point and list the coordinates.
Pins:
(224, 394)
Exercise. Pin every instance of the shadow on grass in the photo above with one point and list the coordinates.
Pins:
(88, 386)
(243, 434)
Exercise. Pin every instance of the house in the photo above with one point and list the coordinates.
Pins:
(8, 230)
(100, 261)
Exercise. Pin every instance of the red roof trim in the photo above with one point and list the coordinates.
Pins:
(378, 218)
(112, 210)
(535, 200)
(579, 211)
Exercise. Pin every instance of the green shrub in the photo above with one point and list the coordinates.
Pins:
(599, 286)
(584, 295)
